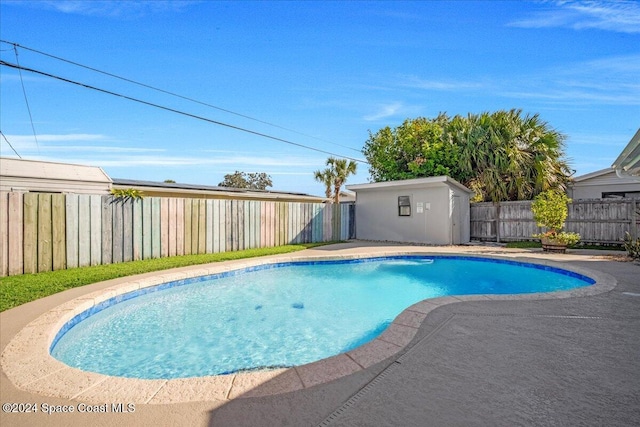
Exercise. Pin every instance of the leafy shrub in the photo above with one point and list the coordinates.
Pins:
(550, 211)
(126, 194)
(632, 246)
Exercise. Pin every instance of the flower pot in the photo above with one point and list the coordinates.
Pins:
(552, 245)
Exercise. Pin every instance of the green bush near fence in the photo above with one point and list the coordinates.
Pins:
(18, 290)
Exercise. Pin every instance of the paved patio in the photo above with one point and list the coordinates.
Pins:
(569, 361)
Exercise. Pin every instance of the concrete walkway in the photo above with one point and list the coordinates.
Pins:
(567, 361)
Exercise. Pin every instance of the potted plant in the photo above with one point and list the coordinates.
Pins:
(550, 211)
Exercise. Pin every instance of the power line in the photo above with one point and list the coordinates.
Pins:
(173, 110)
(24, 92)
(5, 138)
(16, 45)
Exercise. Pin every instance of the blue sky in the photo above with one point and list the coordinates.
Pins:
(324, 73)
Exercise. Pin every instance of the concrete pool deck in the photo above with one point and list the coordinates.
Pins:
(389, 382)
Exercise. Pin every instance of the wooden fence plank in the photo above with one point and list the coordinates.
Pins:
(156, 228)
(127, 235)
(84, 230)
(216, 234)
(180, 226)
(4, 233)
(247, 223)
(195, 224)
(15, 233)
(263, 225)
(165, 224)
(172, 227)
(222, 229)
(202, 226)
(30, 233)
(187, 226)
(136, 229)
(276, 223)
(107, 229)
(58, 226)
(147, 206)
(118, 231)
(95, 214)
(45, 235)
(228, 226)
(208, 226)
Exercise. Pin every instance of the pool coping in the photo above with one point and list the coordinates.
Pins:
(29, 366)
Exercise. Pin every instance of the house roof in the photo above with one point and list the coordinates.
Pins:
(433, 181)
(21, 168)
(171, 187)
(594, 174)
(628, 162)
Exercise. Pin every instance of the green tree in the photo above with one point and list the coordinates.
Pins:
(335, 175)
(252, 181)
(325, 177)
(417, 148)
(501, 156)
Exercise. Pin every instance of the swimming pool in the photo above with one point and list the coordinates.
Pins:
(277, 315)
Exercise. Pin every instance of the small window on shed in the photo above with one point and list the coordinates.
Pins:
(404, 206)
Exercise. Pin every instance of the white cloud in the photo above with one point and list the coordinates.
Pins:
(612, 80)
(384, 111)
(437, 84)
(57, 138)
(108, 8)
(619, 16)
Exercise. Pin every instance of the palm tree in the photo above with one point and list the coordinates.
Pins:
(341, 171)
(325, 177)
(335, 176)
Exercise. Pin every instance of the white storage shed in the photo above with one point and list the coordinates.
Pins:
(432, 210)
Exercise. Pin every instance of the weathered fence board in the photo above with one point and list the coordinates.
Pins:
(156, 228)
(95, 213)
(84, 230)
(4, 233)
(118, 232)
(44, 232)
(165, 224)
(597, 220)
(30, 246)
(107, 229)
(59, 247)
(14, 233)
(127, 224)
(137, 230)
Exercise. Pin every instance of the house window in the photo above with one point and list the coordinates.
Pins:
(404, 206)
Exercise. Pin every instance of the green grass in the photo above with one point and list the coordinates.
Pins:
(530, 244)
(17, 290)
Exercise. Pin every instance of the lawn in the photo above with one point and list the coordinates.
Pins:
(17, 290)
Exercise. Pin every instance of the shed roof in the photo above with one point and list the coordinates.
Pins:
(433, 181)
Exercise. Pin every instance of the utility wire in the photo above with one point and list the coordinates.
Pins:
(14, 150)
(24, 92)
(173, 110)
(15, 45)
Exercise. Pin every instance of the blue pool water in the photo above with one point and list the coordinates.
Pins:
(276, 316)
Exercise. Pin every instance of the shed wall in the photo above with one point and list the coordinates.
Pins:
(377, 215)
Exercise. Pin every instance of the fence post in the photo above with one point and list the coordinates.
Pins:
(633, 227)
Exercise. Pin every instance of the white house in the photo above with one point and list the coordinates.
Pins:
(432, 210)
(604, 184)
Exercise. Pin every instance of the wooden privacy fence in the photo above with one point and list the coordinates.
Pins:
(597, 220)
(45, 232)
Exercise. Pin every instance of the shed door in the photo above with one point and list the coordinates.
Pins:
(455, 221)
